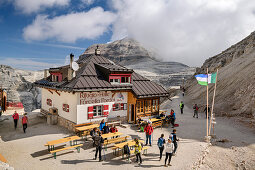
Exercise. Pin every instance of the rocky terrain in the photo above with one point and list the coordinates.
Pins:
(18, 84)
(132, 54)
(236, 80)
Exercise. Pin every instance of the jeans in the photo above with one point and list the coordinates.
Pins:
(98, 149)
(161, 149)
(172, 122)
(181, 110)
(168, 155)
(15, 123)
(195, 113)
(148, 137)
(24, 127)
(138, 156)
(175, 146)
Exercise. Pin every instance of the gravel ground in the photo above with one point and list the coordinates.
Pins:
(27, 151)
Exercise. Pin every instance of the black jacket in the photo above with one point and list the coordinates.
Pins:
(106, 129)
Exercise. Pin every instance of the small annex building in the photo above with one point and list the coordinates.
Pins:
(99, 89)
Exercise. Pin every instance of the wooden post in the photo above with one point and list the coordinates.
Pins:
(207, 105)
(213, 103)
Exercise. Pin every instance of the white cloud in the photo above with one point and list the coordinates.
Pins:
(29, 63)
(88, 2)
(187, 31)
(70, 27)
(30, 6)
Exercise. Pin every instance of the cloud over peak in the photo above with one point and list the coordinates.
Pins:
(70, 27)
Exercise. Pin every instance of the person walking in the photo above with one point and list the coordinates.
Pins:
(181, 106)
(174, 140)
(172, 118)
(15, 117)
(99, 143)
(169, 151)
(138, 149)
(24, 122)
(195, 108)
(205, 110)
(148, 131)
(161, 142)
(102, 124)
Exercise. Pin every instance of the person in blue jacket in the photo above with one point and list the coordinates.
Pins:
(102, 124)
(161, 142)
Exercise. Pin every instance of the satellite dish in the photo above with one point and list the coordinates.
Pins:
(75, 66)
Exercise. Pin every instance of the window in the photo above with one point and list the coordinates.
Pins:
(141, 106)
(125, 79)
(66, 107)
(111, 80)
(97, 110)
(147, 106)
(120, 78)
(155, 105)
(138, 106)
(49, 102)
(119, 106)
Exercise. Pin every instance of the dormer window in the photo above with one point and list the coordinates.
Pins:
(56, 77)
(120, 78)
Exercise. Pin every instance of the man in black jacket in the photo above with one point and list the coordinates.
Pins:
(99, 143)
(174, 139)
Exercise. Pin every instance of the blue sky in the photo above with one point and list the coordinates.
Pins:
(38, 34)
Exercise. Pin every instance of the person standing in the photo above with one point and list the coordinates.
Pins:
(169, 151)
(181, 106)
(172, 118)
(138, 149)
(24, 122)
(93, 134)
(148, 131)
(205, 110)
(102, 124)
(161, 142)
(174, 140)
(195, 108)
(99, 143)
(15, 117)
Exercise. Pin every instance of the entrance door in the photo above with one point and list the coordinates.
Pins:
(132, 113)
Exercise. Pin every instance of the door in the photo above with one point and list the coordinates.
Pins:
(132, 113)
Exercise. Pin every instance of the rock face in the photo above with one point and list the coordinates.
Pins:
(236, 79)
(18, 84)
(132, 54)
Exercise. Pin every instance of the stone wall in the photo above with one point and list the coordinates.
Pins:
(66, 123)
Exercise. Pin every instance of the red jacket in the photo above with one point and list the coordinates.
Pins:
(112, 130)
(15, 116)
(148, 129)
(24, 120)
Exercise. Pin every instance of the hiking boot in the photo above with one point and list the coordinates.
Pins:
(101, 160)
(169, 164)
(165, 165)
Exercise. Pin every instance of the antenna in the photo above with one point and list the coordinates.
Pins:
(75, 66)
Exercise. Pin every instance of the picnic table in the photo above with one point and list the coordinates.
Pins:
(72, 140)
(86, 128)
(156, 122)
(109, 135)
(130, 143)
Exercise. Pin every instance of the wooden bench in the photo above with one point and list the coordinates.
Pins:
(114, 140)
(144, 149)
(66, 148)
(84, 124)
(2, 159)
(157, 124)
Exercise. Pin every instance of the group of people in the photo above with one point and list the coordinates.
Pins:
(170, 147)
(24, 120)
(196, 108)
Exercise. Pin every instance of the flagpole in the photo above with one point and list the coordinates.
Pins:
(213, 102)
(207, 105)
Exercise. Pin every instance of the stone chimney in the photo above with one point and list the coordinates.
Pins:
(97, 51)
(70, 70)
(46, 73)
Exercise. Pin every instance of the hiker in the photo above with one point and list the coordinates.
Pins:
(169, 151)
(93, 133)
(24, 122)
(161, 142)
(15, 117)
(138, 149)
(181, 106)
(102, 124)
(99, 143)
(106, 129)
(148, 131)
(205, 110)
(174, 140)
(127, 151)
(195, 108)
(113, 129)
(172, 118)
(183, 91)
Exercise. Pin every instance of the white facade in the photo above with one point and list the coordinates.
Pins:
(80, 101)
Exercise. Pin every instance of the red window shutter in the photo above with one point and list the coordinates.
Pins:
(64, 107)
(90, 112)
(106, 113)
(113, 107)
(106, 107)
(67, 108)
(122, 106)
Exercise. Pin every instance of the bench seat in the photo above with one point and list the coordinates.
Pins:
(66, 148)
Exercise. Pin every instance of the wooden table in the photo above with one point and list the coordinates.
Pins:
(109, 135)
(130, 143)
(72, 139)
(156, 122)
(85, 128)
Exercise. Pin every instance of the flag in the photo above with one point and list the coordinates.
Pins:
(204, 80)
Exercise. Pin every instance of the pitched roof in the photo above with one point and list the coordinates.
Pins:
(90, 78)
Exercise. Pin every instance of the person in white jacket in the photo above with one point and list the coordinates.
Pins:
(169, 151)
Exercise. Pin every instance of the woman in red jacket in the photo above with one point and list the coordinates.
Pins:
(15, 117)
(148, 131)
(24, 122)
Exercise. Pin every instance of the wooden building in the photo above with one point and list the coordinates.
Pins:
(99, 89)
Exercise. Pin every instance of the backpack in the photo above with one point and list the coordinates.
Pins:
(126, 150)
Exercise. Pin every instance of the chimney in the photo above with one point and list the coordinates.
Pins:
(46, 71)
(71, 60)
(97, 51)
